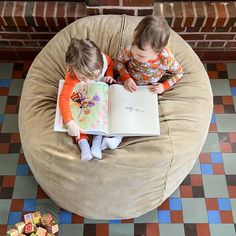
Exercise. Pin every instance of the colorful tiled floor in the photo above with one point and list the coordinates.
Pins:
(204, 204)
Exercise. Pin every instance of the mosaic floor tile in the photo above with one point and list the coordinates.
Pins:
(5, 83)
(220, 87)
(231, 68)
(234, 100)
(222, 229)
(212, 143)
(4, 210)
(164, 216)
(203, 205)
(16, 87)
(172, 229)
(71, 230)
(233, 206)
(25, 187)
(194, 210)
(10, 124)
(226, 123)
(176, 193)
(150, 217)
(229, 160)
(14, 217)
(3, 100)
(212, 189)
(121, 229)
(8, 165)
(196, 168)
(6, 70)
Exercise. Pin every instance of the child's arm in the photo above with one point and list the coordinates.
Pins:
(109, 73)
(110, 66)
(122, 60)
(64, 104)
(175, 69)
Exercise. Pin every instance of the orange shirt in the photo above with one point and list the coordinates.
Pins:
(151, 71)
(70, 82)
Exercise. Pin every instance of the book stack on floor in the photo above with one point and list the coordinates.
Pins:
(35, 225)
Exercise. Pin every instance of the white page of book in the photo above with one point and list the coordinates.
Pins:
(133, 113)
(58, 123)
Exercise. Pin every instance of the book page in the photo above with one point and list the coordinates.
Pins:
(133, 113)
(89, 107)
(58, 123)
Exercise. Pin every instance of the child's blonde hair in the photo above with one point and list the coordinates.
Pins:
(152, 30)
(84, 56)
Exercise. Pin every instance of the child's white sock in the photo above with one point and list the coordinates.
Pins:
(85, 150)
(111, 143)
(96, 147)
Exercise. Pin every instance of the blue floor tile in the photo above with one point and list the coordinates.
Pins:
(206, 169)
(14, 217)
(213, 217)
(65, 217)
(29, 205)
(224, 204)
(22, 169)
(216, 157)
(163, 216)
(175, 204)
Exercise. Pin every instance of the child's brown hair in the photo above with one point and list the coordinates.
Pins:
(84, 56)
(152, 30)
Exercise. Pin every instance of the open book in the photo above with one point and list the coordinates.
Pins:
(112, 110)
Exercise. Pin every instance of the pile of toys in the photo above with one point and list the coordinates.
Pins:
(35, 225)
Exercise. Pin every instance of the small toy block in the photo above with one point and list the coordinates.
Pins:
(46, 219)
(36, 218)
(28, 218)
(41, 231)
(52, 227)
(20, 226)
(33, 234)
(29, 228)
(12, 232)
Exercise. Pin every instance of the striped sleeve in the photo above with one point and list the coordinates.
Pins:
(121, 64)
(173, 67)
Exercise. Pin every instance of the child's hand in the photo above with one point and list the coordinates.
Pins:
(73, 129)
(130, 85)
(109, 79)
(157, 88)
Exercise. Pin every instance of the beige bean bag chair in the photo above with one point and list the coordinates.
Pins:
(144, 171)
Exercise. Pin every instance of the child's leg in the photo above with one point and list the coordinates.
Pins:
(84, 147)
(96, 147)
(111, 143)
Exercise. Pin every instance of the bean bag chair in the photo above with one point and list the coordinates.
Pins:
(144, 171)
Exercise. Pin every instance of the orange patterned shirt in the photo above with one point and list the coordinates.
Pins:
(151, 71)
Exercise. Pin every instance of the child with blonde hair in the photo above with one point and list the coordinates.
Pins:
(85, 63)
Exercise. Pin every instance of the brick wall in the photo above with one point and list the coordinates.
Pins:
(26, 26)
(209, 27)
